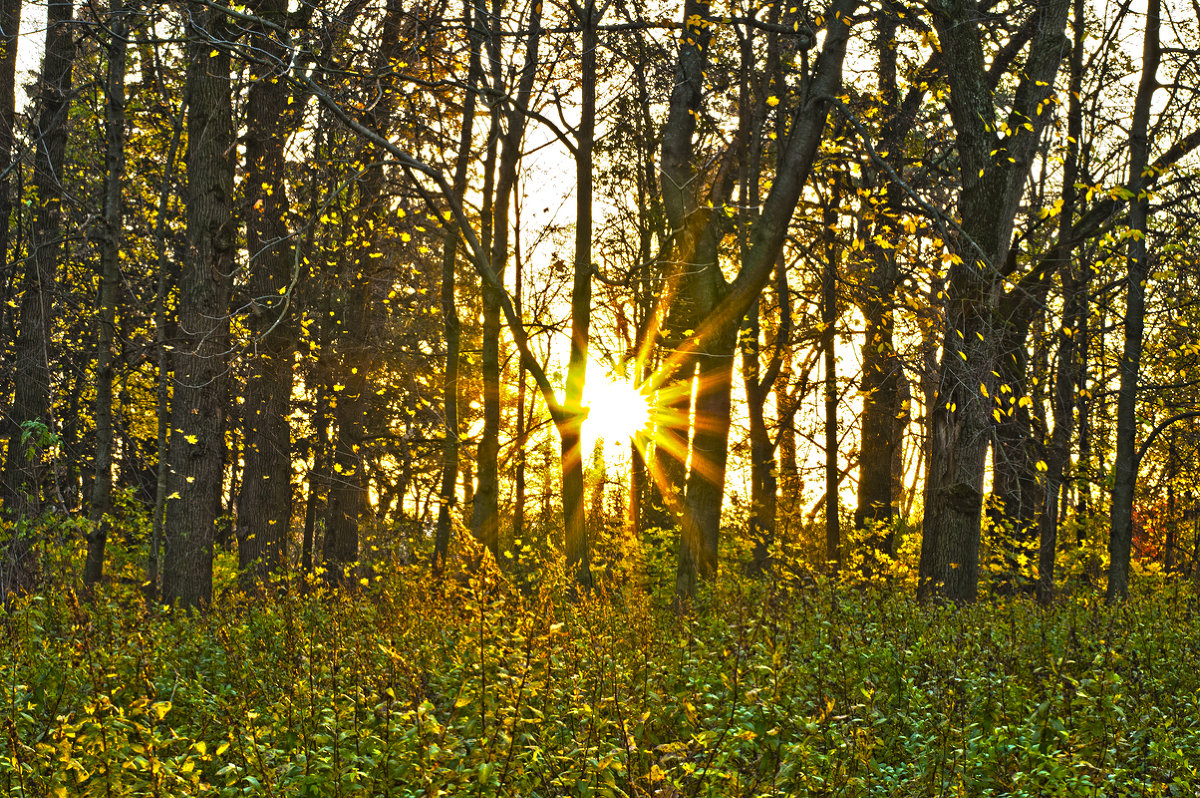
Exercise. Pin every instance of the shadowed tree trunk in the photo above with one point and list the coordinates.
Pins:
(1069, 372)
(882, 370)
(347, 500)
(764, 482)
(829, 269)
(21, 488)
(162, 355)
(453, 327)
(10, 24)
(110, 269)
(264, 506)
(1120, 537)
(993, 175)
(578, 547)
(195, 451)
(485, 515)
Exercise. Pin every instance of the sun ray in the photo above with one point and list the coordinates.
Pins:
(617, 410)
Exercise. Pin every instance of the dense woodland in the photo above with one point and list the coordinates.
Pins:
(723, 397)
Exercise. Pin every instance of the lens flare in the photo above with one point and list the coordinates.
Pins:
(617, 410)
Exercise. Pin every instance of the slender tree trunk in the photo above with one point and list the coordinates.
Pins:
(21, 488)
(881, 369)
(485, 516)
(264, 504)
(348, 487)
(578, 547)
(161, 336)
(196, 448)
(10, 25)
(110, 268)
(833, 534)
(451, 322)
(1172, 475)
(1120, 538)
(1069, 372)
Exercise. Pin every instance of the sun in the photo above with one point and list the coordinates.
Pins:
(617, 410)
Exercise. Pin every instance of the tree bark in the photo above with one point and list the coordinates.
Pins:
(351, 409)
(110, 268)
(196, 448)
(162, 356)
(10, 26)
(993, 176)
(452, 324)
(829, 268)
(21, 488)
(882, 370)
(485, 515)
(578, 546)
(1120, 536)
(1069, 372)
(264, 506)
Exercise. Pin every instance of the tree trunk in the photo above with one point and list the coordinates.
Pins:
(577, 544)
(833, 532)
(1069, 372)
(451, 322)
(106, 310)
(1120, 536)
(351, 408)
(162, 356)
(10, 25)
(21, 488)
(485, 515)
(196, 447)
(1017, 492)
(881, 368)
(993, 178)
(22, 494)
(264, 506)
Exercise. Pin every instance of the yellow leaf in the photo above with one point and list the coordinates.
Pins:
(772, 101)
(191, 439)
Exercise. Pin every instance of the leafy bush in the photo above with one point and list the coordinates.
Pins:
(413, 688)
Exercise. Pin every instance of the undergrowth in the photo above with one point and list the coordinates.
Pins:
(411, 688)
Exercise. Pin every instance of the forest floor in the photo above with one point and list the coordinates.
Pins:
(410, 688)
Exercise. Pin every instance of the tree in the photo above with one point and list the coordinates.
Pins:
(110, 266)
(725, 303)
(1137, 259)
(201, 358)
(993, 174)
(10, 24)
(485, 514)
(264, 508)
(23, 485)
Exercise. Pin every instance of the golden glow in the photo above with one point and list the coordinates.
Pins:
(617, 410)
